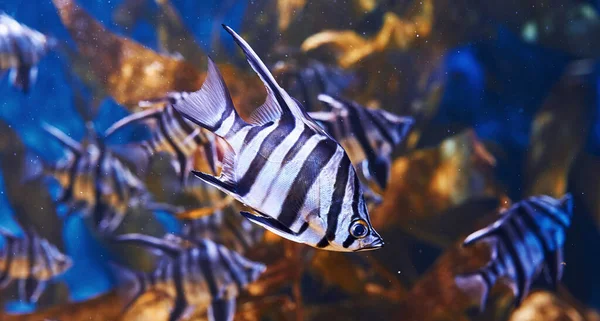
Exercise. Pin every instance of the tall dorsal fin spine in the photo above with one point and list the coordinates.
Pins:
(265, 75)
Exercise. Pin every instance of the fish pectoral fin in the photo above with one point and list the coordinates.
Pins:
(221, 309)
(271, 224)
(226, 182)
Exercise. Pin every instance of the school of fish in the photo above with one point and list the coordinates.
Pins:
(305, 175)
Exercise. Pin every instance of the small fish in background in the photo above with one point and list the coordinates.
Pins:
(526, 241)
(199, 274)
(171, 134)
(368, 135)
(97, 183)
(306, 80)
(32, 262)
(297, 179)
(224, 225)
(21, 48)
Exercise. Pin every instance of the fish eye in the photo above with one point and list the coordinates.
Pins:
(359, 229)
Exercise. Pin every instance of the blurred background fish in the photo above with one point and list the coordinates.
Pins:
(21, 48)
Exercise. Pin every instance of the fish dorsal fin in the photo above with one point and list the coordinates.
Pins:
(62, 138)
(139, 116)
(323, 116)
(269, 111)
(166, 246)
(278, 101)
(333, 103)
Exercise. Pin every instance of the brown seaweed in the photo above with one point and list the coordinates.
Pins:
(428, 182)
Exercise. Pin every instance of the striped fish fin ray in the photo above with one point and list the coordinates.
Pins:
(226, 182)
(221, 309)
(141, 116)
(211, 106)
(165, 246)
(268, 112)
(63, 139)
(273, 89)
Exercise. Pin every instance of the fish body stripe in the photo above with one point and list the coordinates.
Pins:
(306, 177)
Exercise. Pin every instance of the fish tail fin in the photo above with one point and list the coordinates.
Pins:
(211, 106)
(475, 284)
(23, 77)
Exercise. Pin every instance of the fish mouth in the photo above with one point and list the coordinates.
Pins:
(375, 245)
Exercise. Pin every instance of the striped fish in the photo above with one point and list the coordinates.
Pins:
(171, 134)
(32, 262)
(199, 274)
(297, 179)
(21, 48)
(368, 135)
(527, 240)
(309, 79)
(96, 183)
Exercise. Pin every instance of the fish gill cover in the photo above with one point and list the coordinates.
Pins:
(464, 134)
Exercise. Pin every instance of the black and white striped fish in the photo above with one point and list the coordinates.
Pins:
(32, 262)
(305, 80)
(21, 48)
(171, 134)
(368, 135)
(526, 241)
(95, 182)
(199, 274)
(297, 179)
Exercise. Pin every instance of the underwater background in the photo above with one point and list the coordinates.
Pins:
(505, 99)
